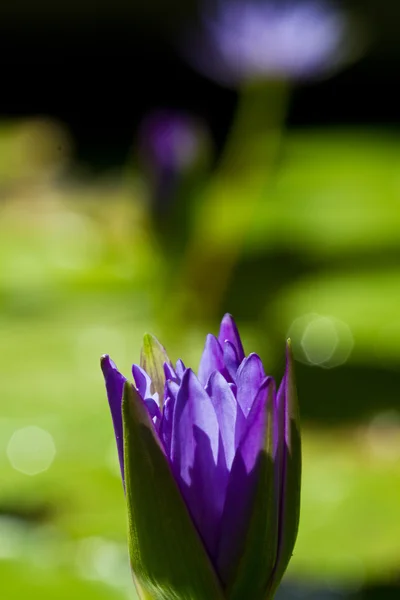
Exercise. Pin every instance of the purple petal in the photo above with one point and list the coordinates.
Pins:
(253, 40)
(225, 406)
(242, 482)
(249, 377)
(231, 359)
(170, 394)
(196, 458)
(153, 408)
(144, 386)
(169, 140)
(172, 389)
(212, 359)
(254, 437)
(180, 368)
(229, 331)
(115, 385)
(142, 381)
(169, 372)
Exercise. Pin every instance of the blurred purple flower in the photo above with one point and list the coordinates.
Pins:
(233, 447)
(170, 140)
(173, 149)
(245, 40)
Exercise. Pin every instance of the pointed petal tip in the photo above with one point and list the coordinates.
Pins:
(289, 356)
(228, 331)
(228, 319)
(227, 316)
(148, 337)
(153, 356)
(180, 368)
(190, 382)
(188, 374)
(151, 344)
(211, 343)
(106, 364)
(169, 372)
(267, 382)
(253, 356)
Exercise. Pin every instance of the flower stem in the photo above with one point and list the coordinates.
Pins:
(230, 201)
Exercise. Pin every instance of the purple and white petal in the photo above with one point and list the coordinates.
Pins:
(226, 409)
(229, 332)
(212, 359)
(248, 380)
(142, 381)
(170, 373)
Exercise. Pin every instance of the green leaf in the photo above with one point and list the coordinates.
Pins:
(168, 559)
(152, 359)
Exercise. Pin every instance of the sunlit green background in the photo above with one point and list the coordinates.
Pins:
(294, 230)
(81, 274)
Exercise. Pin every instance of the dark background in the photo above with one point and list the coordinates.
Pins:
(99, 67)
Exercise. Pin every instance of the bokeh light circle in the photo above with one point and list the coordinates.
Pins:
(321, 340)
(31, 450)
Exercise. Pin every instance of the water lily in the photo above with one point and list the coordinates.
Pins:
(173, 150)
(247, 40)
(211, 468)
(170, 139)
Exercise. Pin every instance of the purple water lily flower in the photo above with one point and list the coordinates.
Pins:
(231, 445)
(244, 40)
(173, 151)
(170, 140)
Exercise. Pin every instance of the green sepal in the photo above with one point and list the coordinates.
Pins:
(152, 359)
(168, 559)
(258, 559)
(290, 470)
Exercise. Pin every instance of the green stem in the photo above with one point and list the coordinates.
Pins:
(231, 200)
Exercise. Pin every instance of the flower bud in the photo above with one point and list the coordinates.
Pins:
(211, 466)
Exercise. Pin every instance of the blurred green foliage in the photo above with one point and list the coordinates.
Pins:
(80, 273)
